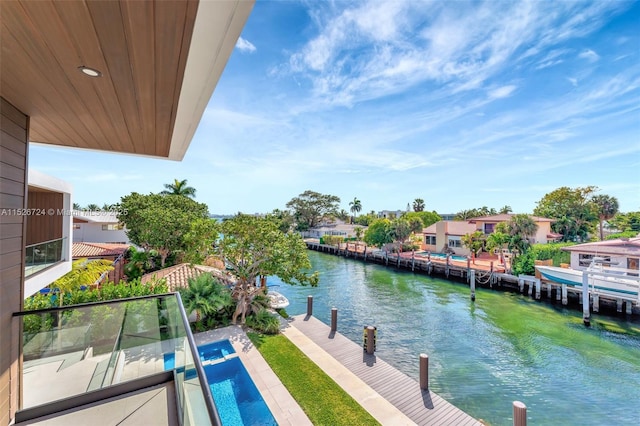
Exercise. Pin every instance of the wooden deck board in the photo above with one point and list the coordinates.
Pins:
(396, 387)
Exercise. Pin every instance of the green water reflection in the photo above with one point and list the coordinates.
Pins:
(484, 355)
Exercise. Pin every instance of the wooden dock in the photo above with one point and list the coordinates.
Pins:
(421, 406)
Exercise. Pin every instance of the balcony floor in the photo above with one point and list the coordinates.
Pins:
(151, 406)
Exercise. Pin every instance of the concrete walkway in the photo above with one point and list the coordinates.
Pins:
(381, 409)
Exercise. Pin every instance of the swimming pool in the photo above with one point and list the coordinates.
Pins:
(442, 256)
(236, 396)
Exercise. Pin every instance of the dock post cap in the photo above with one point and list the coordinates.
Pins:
(519, 404)
(424, 356)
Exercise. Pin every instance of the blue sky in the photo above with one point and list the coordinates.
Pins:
(462, 104)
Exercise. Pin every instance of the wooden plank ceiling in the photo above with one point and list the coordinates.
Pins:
(140, 47)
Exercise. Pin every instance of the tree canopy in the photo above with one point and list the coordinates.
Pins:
(179, 187)
(378, 233)
(427, 218)
(161, 222)
(471, 213)
(310, 208)
(573, 210)
(418, 205)
(254, 246)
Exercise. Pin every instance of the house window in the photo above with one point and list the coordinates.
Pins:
(585, 259)
(111, 227)
(455, 243)
(489, 227)
(430, 240)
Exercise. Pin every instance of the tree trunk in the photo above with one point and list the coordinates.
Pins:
(601, 233)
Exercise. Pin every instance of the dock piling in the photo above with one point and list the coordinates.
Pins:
(424, 372)
(370, 339)
(538, 285)
(519, 414)
(472, 284)
(334, 319)
(309, 306)
(565, 299)
(585, 298)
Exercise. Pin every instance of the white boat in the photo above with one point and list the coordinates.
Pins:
(277, 300)
(615, 282)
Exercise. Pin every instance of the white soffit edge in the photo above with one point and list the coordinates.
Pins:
(216, 30)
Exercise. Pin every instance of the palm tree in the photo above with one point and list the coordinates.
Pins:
(77, 206)
(505, 210)
(205, 296)
(356, 206)
(418, 205)
(606, 208)
(179, 187)
(93, 207)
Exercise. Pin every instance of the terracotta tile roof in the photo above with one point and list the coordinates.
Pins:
(79, 250)
(627, 247)
(177, 276)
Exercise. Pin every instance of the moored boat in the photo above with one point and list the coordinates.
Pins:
(611, 281)
(277, 300)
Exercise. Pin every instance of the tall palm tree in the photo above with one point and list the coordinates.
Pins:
(606, 208)
(356, 206)
(505, 210)
(418, 205)
(179, 187)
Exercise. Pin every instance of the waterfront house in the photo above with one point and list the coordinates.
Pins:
(391, 214)
(123, 76)
(621, 252)
(98, 227)
(544, 235)
(446, 236)
(340, 229)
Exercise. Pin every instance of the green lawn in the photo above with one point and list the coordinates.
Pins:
(320, 397)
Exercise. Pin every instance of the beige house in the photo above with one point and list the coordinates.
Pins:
(447, 234)
(487, 225)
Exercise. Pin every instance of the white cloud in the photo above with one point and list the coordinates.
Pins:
(502, 92)
(589, 55)
(573, 81)
(371, 50)
(244, 45)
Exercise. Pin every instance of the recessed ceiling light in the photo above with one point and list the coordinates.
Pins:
(90, 71)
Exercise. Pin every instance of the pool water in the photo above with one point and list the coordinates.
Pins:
(215, 350)
(236, 396)
(238, 400)
(442, 256)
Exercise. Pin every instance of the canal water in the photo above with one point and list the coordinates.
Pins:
(484, 355)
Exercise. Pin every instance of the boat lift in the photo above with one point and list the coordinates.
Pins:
(598, 273)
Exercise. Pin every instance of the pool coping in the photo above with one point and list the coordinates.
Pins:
(284, 408)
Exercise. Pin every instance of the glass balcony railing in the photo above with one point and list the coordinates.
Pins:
(73, 350)
(42, 255)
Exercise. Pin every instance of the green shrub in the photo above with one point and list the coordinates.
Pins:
(524, 264)
(282, 313)
(551, 251)
(264, 322)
